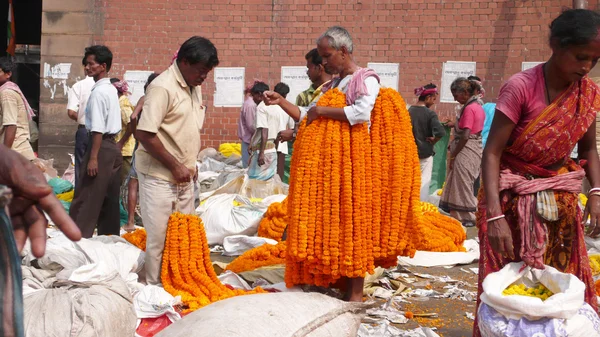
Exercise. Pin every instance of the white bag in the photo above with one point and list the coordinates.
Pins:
(273, 314)
(153, 301)
(222, 219)
(236, 245)
(568, 292)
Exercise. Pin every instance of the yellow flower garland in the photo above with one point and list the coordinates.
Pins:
(187, 270)
(136, 238)
(265, 255)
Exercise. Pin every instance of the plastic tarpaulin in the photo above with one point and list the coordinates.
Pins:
(438, 174)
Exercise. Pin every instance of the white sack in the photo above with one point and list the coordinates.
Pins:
(222, 219)
(568, 292)
(274, 314)
(153, 301)
(80, 310)
(236, 245)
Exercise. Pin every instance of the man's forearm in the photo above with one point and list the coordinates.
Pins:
(72, 114)
(10, 132)
(156, 149)
(337, 114)
(264, 133)
(96, 144)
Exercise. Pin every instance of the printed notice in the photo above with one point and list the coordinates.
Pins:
(529, 65)
(60, 71)
(229, 84)
(451, 71)
(297, 79)
(389, 73)
(136, 79)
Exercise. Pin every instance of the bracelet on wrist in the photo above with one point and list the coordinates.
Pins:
(495, 218)
(594, 190)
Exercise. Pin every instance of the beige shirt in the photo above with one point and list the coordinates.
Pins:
(13, 112)
(174, 112)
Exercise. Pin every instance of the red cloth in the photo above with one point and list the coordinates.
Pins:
(356, 87)
(546, 140)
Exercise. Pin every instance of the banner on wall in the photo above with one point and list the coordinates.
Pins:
(451, 71)
(229, 87)
(297, 79)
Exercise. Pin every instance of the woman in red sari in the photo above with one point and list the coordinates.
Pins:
(541, 114)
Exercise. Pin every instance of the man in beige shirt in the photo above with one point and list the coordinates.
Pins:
(15, 113)
(169, 136)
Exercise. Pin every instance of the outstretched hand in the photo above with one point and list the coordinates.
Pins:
(32, 196)
(272, 98)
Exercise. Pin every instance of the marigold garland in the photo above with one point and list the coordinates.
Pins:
(265, 255)
(186, 267)
(354, 193)
(136, 238)
(274, 221)
(436, 232)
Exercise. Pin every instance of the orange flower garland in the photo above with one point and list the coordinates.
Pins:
(273, 222)
(186, 267)
(136, 238)
(438, 233)
(265, 255)
(353, 201)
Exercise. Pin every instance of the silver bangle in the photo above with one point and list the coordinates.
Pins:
(496, 218)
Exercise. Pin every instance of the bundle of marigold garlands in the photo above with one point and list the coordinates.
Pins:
(354, 194)
(187, 270)
(273, 222)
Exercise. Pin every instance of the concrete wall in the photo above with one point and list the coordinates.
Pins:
(68, 26)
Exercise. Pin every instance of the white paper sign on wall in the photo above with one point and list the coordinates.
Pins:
(136, 79)
(389, 73)
(229, 84)
(451, 71)
(297, 79)
(529, 65)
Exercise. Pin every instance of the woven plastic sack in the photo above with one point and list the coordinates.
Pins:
(275, 314)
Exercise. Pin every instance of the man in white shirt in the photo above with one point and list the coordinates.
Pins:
(76, 104)
(268, 156)
(96, 199)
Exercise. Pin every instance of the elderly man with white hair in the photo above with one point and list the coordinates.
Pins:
(361, 87)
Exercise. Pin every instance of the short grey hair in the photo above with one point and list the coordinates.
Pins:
(338, 37)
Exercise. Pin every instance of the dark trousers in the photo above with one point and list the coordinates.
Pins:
(81, 143)
(96, 201)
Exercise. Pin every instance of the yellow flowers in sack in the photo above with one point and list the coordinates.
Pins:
(540, 291)
(67, 196)
(595, 264)
(228, 149)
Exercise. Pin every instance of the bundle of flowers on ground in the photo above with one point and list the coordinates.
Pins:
(274, 222)
(265, 255)
(436, 232)
(136, 238)
(187, 270)
(345, 214)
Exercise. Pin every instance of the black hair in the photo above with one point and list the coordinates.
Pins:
(7, 65)
(428, 86)
(473, 77)
(102, 54)
(83, 61)
(575, 27)
(314, 57)
(282, 89)
(259, 88)
(463, 84)
(198, 49)
(114, 80)
(150, 79)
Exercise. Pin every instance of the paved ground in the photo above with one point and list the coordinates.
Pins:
(451, 320)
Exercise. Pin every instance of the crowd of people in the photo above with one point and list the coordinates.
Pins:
(540, 115)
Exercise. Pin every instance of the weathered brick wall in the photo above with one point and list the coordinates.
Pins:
(263, 35)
